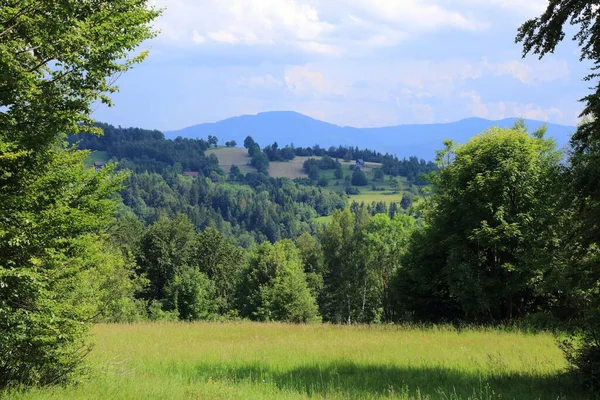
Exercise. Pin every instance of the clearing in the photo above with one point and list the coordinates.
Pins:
(243, 360)
(229, 156)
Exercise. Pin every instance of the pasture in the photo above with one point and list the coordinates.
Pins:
(243, 360)
(293, 170)
(232, 156)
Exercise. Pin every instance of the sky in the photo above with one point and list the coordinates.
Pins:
(361, 63)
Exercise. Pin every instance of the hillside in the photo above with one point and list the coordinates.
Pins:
(375, 191)
(287, 127)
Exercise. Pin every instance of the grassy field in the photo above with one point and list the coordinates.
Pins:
(277, 361)
(232, 156)
(293, 169)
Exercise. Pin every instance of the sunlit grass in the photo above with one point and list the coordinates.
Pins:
(277, 361)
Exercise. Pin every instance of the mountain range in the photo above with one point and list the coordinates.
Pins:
(421, 140)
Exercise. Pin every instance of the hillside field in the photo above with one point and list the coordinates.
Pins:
(243, 360)
(229, 156)
(293, 170)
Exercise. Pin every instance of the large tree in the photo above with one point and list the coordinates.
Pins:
(57, 58)
(541, 36)
(489, 224)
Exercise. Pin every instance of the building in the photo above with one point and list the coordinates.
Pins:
(98, 165)
(360, 164)
(193, 174)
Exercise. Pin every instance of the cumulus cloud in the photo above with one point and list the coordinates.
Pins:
(547, 70)
(314, 26)
(501, 109)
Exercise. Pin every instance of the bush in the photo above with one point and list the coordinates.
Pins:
(359, 178)
(583, 353)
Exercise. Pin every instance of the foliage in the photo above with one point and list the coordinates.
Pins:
(191, 295)
(489, 225)
(541, 36)
(359, 178)
(53, 266)
(222, 262)
(274, 286)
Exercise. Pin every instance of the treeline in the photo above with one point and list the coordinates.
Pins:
(342, 274)
(148, 150)
(411, 168)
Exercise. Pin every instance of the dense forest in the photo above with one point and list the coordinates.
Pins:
(507, 232)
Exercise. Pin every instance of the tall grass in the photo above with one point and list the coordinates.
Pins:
(277, 361)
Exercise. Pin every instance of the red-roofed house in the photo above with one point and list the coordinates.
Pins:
(98, 165)
(193, 174)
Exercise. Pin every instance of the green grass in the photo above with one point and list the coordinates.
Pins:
(369, 196)
(277, 361)
(324, 220)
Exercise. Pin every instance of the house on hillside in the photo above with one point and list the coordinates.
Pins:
(193, 174)
(360, 164)
(98, 165)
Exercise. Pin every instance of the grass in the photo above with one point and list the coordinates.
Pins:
(277, 361)
(229, 156)
(369, 196)
(291, 169)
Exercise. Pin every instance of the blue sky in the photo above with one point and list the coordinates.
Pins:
(362, 63)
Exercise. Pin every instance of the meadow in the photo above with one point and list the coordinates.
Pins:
(232, 156)
(243, 360)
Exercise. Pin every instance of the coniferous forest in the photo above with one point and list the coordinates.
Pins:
(499, 232)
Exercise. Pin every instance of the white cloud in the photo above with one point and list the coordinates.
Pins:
(501, 110)
(314, 26)
(306, 80)
(261, 82)
(547, 70)
(528, 8)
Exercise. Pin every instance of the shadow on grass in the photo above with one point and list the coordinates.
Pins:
(354, 380)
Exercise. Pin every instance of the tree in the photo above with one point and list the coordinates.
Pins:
(339, 173)
(249, 142)
(541, 36)
(222, 262)
(379, 175)
(213, 140)
(394, 184)
(490, 219)
(53, 261)
(191, 295)
(235, 173)
(58, 57)
(359, 178)
(406, 202)
(166, 251)
(275, 288)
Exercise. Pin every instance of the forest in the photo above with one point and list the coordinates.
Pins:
(504, 235)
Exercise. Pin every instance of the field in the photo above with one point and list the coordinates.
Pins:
(277, 361)
(293, 169)
(232, 156)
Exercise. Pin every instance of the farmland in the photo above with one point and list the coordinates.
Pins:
(274, 361)
(293, 170)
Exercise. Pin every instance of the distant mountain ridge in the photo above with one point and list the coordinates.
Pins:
(421, 140)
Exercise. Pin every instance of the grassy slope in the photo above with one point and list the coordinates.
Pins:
(232, 156)
(277, 361)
